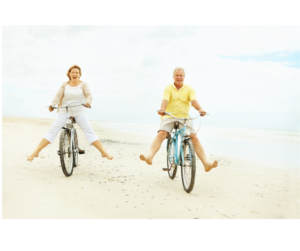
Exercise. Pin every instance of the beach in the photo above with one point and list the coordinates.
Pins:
(127, 188)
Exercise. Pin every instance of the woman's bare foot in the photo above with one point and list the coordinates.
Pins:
(148, 160)
(210, 166)
(32, 156)
(106, 155)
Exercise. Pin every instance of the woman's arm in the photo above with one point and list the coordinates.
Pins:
(59, 94)
(87, 93)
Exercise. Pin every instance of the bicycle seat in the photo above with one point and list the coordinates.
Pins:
(73, 119)
(176, 125)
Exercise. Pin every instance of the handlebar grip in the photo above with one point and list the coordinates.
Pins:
(162, 111)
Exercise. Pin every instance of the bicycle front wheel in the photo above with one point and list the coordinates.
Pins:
(171, 159)
(188, 168)
(66, 153)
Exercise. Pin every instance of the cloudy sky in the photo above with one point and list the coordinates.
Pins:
(244, 76)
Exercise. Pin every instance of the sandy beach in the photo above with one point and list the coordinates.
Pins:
(127, 188)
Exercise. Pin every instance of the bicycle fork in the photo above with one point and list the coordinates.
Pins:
(72, 141)
(188, 156)
(71, 131)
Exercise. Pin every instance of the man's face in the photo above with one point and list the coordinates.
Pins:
(178, 77)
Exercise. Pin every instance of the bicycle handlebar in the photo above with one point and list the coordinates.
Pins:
(69, 106)
(167, 113)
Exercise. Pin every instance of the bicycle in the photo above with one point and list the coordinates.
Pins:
(68, 143)
(181, 153)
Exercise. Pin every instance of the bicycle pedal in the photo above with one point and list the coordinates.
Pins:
(81, 152)
(166, 169)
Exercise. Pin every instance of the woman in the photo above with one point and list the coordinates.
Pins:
(73, 91)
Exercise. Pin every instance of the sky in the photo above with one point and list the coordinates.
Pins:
(244, 76)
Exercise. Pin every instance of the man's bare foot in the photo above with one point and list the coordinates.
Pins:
(211, 166)
(106, 155)
(32, 156)
(148, 161)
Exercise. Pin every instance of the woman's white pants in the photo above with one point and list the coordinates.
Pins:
(81, 120)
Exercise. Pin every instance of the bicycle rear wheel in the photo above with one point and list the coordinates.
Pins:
(171, 159)
(66, 153)
(75, 150)
(188, 169)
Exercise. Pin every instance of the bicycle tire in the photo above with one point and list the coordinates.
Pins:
(75, 150)
(171, 165)
(188, 169)
(66, 155)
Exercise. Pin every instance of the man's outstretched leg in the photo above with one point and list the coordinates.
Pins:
(201, 154)
(156, 144)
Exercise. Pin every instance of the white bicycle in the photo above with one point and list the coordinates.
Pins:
(68, 143)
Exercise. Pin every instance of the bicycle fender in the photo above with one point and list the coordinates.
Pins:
(72, 140)
(66, 129)
(186, 139)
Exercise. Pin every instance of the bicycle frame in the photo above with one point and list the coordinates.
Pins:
(179, 152)
(71, 128)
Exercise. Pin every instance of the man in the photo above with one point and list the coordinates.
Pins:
(176, 100)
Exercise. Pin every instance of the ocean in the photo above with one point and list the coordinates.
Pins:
(278, 148)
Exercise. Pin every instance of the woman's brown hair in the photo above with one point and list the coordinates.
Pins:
(72, 67)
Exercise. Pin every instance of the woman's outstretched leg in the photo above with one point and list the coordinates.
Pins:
(83, 122)
(50, 135)
(37, 150)
(100, 147)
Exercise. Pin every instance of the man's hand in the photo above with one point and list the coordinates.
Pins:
(196, 105)
(50, 108)
(202, 112)
(163, 107)
(161, 112)
(87, 105)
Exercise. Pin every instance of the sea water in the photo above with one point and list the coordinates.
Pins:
(278, 148)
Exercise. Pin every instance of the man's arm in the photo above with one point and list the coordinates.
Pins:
(163, 106)
(196, 105)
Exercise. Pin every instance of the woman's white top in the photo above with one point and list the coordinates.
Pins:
(73, 95)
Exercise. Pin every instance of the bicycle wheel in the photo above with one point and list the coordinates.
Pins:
(75, 150)
(171, 159)
(188, 169)
(66, 154)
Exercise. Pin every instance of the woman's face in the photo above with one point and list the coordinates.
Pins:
(74, 74)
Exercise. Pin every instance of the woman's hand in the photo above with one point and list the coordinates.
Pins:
(87, 105)
(50, 108)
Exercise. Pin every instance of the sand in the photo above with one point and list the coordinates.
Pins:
(127, 188)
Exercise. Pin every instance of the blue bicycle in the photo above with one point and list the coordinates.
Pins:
(180, 152)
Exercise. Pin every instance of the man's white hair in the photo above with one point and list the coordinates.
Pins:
(177, 69)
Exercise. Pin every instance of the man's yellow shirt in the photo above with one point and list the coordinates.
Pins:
(179, 100)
